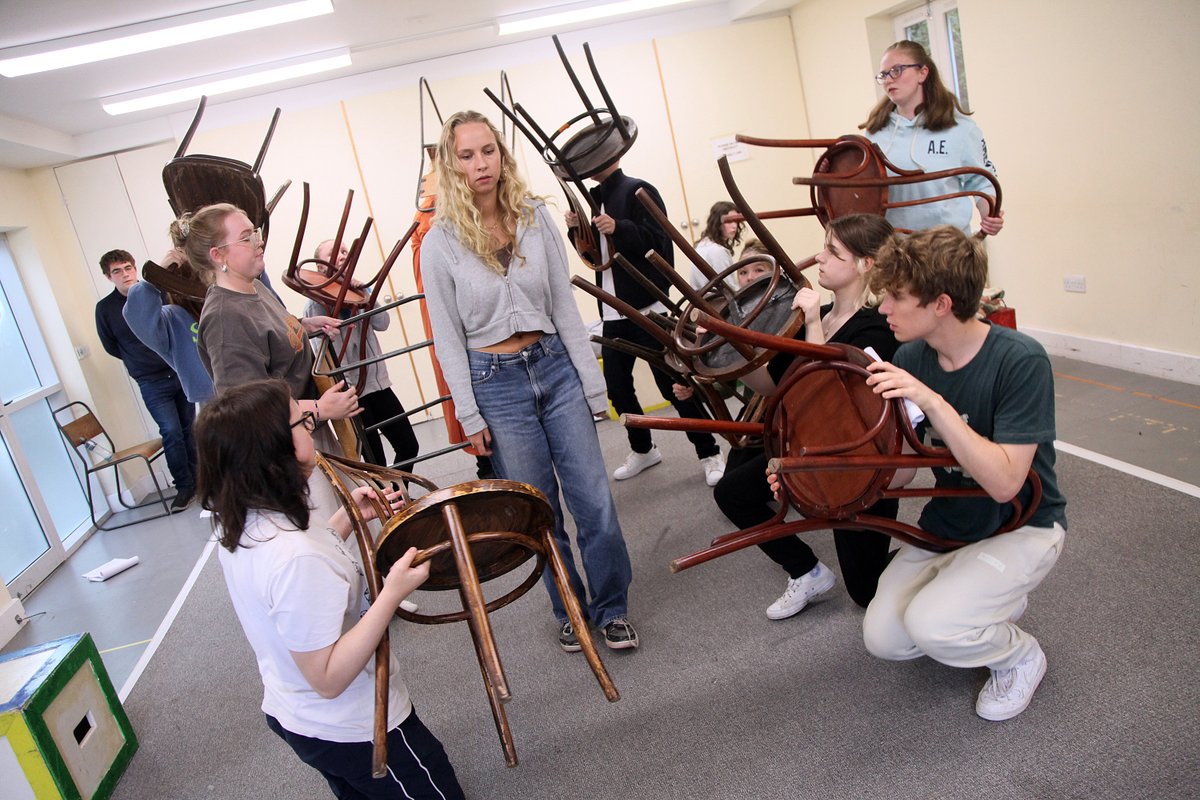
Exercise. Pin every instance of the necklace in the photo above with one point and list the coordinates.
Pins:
(830, 323)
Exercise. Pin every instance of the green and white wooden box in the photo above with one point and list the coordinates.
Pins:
(63, 732)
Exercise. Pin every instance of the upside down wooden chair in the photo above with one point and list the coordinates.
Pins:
(85, 428)
(836, 446)
(581, 147)
(851, 176)
(470, 533)
(195, 180)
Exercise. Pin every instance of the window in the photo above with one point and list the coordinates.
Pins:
(935, 25)
(43, 500)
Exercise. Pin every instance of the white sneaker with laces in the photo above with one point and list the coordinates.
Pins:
(636, 463)
(1009, 691)
(800, 590)
(714, 469)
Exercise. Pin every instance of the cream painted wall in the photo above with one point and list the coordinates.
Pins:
(1091, 137)
(371, 144)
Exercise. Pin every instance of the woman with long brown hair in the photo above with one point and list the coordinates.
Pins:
(515, 354)
(300, 596)
(743, 494)
(919, 124)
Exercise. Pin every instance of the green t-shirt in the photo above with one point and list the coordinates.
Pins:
(1005, 394)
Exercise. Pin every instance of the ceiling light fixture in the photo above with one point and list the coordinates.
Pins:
(324, 62)
(143, 37)
(507, 26)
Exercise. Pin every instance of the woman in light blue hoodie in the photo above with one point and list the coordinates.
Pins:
(919, 124)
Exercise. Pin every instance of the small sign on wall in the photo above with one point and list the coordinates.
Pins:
(730, 147)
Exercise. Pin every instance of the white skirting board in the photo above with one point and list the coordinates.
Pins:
(1180, 367)
(12, 617)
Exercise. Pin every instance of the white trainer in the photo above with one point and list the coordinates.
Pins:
(636, 463)
(714, 469)
(1009, 691)
(800, 590)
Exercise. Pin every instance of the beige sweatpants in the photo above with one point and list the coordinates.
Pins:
(954, 607)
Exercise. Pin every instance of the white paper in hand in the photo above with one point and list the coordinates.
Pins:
(110, 568)
(915, 414)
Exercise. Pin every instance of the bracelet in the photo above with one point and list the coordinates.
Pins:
(317, 411)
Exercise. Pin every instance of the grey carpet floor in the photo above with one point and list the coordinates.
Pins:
(720, 702)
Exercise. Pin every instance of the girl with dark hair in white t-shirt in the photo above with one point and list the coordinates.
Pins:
(300, 595)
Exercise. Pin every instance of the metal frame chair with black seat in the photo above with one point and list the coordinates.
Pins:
(82, 431)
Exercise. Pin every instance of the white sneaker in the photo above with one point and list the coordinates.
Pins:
(635, 463)
(1008, 692)
(800, 590)
(714, 469)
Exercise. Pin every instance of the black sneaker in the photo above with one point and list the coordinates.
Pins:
(567, 639)
(182, 500)
(620, 635)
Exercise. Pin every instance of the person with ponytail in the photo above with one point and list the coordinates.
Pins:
(245, 332)
(515, 354)
(744, 495)
(919, 124)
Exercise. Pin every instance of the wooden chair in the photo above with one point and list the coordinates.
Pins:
(581, 147)
(470, 533)
(836, 446)
(81, 431)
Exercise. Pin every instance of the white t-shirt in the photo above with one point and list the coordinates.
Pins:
(718, 258)
(300, 591)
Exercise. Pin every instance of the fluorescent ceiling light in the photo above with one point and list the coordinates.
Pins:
(523, 24)
(88, 49)
(217, 86)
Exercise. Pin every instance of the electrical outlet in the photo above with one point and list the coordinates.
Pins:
(1074, 283)
(82, 352)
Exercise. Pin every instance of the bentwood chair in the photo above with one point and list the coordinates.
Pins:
(84, 431)
(471, 533)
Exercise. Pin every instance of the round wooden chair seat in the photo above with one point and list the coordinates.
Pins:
(326, 290)
(503, 520)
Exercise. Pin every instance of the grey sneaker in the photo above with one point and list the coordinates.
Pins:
(800, 590)
(1009, 691)
(567, 639)
(620, 635)
(636, 463)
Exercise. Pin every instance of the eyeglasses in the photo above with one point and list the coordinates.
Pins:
(308, 419)
(253, 236)
(895, 72)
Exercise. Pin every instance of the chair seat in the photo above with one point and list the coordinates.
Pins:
(146, 450)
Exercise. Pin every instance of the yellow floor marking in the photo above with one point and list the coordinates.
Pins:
(1123, 389)
(123, 646)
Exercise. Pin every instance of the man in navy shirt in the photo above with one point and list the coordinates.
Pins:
(161, 391)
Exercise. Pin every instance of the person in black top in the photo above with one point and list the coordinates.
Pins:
(744, 495)
(634, 232)
(161, 391)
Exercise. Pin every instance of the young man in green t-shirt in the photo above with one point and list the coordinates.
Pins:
(987, 393)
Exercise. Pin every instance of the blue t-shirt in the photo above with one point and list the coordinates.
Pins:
(1005, 394)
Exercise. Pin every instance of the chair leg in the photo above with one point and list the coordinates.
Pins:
(558, 570)
(493, 694)
(474, 604)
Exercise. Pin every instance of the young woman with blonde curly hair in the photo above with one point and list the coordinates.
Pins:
(515, 354)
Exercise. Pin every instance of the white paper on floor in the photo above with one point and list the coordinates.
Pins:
(110, 568)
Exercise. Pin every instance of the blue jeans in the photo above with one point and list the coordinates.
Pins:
(542, 431)
(166, 402)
